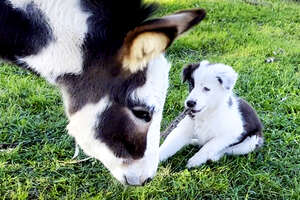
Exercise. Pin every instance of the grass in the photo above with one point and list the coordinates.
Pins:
(240, 33)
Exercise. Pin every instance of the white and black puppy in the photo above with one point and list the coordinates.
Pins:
(218, 121)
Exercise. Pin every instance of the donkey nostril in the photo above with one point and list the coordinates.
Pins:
(147, 181)
(191, 104)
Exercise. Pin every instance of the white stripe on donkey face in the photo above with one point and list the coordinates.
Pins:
(107, 59)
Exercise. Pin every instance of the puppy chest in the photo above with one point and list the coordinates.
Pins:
(203, 132)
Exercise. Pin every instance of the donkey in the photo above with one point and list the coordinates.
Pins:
(107, 59)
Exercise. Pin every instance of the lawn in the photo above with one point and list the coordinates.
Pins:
(240, 33)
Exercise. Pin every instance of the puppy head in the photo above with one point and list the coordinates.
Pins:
(209, 85)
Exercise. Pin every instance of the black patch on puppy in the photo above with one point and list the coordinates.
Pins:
(230, 102)
(23, 32)
(251, 123)
(187, 75)
(220, 80)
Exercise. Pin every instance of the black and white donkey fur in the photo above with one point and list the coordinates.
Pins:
(219, 122)
(107, 58)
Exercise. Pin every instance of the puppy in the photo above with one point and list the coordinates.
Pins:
(220, 122)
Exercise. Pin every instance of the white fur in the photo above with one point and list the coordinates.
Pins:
(216, 126)
(154, 91)
(68, 23)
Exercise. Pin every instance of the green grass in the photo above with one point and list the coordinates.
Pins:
(238, 33)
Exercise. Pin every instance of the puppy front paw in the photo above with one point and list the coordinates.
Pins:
(194, 162)
(162, 159)
(163, 155)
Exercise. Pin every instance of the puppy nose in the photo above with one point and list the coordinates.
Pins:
(191, 103)
(147, 181)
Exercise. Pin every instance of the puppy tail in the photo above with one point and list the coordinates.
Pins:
(248, 145)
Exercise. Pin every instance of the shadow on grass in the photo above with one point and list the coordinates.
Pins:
(178, 162)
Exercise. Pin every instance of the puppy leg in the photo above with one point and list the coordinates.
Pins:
(179, 137)
(212, 150)
(217, 156)
(196, 142)
(248, 145)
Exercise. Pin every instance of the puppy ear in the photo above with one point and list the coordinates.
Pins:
(188, 71)
(153, 37)
(227, 79)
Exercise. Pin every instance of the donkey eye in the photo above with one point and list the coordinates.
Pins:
(206, 89)
(142, 114)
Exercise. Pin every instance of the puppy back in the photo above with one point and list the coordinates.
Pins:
(251, 122)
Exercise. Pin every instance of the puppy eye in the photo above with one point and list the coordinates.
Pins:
(142, 114)
(206, 89)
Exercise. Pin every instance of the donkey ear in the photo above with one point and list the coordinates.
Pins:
(154, 36)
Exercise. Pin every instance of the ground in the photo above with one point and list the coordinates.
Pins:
(240, 33)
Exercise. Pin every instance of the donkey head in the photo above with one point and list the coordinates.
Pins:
(115, 105)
